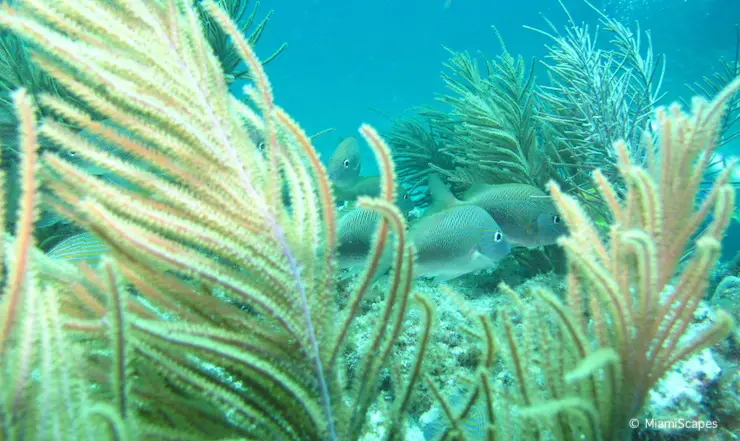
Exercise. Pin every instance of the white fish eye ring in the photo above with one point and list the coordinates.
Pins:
(498, 236)
(346, 163)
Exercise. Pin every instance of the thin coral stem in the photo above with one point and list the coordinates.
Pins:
(12, 297)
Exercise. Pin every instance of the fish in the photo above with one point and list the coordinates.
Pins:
(370, 186)
(404, 202)
(526, 214)
(81, 246)
(363, 186)
(457, 241)
(356, 228)
(345, 163)
(48, 219)
(450, 243)
(257, 136)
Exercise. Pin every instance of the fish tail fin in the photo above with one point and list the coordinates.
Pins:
(442, 197)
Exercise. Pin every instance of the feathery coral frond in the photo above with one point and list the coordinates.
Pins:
(18, 272)
(596, 97)
(494, 140)
(217, 298)
(629, 302)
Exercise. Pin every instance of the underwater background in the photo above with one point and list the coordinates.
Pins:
(521, 241)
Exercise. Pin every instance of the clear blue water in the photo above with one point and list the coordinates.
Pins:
(345, 56)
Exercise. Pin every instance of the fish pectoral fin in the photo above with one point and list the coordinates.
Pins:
(477, 256)
(479, 261)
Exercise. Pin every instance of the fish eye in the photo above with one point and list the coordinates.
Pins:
(556, 219)
(498, 236)
(346, 163)
(405, 196)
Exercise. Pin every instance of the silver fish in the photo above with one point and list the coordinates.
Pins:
(526, 214)
(345, 163)
(355, 237)
(457, 241)
(449, 243)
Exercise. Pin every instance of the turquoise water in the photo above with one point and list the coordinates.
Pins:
(344, 57)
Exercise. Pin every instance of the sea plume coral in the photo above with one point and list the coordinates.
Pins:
(595, 97)
(582, 369)
(214, 315)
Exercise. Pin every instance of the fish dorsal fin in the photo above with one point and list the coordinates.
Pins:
(475, 190)
(442, 197)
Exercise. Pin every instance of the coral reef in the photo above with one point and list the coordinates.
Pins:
(684, 391)
(216, 313)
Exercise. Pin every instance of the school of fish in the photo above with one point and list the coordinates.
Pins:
(453, 237)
